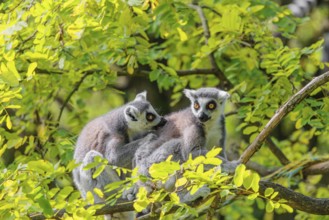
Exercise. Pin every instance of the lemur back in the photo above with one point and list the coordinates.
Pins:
(108, 136)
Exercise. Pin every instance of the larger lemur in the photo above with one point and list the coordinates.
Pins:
(193, 130)
(107, 136)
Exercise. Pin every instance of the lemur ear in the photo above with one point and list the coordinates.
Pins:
(141, 96)
(131, 113)
(222, 95)
(189, 93)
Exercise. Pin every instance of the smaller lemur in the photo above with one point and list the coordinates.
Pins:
(107, 135)
(193, 130)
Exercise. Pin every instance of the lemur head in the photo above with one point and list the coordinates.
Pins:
(141, 116)
(207, 103)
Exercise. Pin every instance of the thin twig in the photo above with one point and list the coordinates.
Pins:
(224, 82)
(76, 88)
(281, 112)
(277, 152)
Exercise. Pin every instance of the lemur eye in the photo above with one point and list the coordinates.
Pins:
(196, 105)
(150, 117)
(211, 105)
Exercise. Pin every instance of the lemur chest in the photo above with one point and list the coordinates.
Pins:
(213, 134)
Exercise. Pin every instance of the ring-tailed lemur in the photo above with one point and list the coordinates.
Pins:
(107, 136)
(193, 130)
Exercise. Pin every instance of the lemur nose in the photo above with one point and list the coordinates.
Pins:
(162, 122)
(203, 117)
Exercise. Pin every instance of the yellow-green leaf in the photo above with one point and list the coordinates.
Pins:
(30, 70)
(253, 196)
(269, 206)
(8, 123)
(255, 182)
(182, 34)
(90, 197)
(213, 152)
(99, 192)
(287, 207)
(268, 192)
(238, 176)
(180, 182)
(98, 171)
(174, 197)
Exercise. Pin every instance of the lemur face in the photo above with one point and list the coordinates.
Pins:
(141, 116)
(206, 103)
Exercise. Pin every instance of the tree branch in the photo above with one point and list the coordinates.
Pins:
(277, 152)
(281, 112)
(224, 82)
(297, 200)
(318, 168)
(76, 88)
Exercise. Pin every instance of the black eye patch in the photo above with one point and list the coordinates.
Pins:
(211, 105)
(150, 117)
(196, 105)
(131, 116)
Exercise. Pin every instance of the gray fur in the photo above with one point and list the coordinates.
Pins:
(184, 134)
(112, 136)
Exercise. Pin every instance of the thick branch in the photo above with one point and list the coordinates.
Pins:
(318, 168)
(121, 206)
(297, 200)
(283, 111)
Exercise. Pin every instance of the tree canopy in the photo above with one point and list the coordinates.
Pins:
(63, 63)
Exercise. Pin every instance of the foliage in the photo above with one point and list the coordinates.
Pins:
(62, 63)
(194, 175)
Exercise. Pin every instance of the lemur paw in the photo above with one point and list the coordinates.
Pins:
(130, 194)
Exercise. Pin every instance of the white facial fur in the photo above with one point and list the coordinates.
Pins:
(141, 120)
(203, 99)
(142, 123)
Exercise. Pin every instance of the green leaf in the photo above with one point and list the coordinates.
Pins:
(90, 197)
(8, 123)
(213, 152)
(174, 197)
(99, 192)
(253, 196)
(247, 182)
(114, 185)
(238, 176)
(98, 171)
(30, 70)
(213, 161)
(224, 193)
(182, 34)
(274, 195)
(255, 182)
(7, 76)
(288, 208)
(180, 182)
(250, 129)
(269, 206)
(268, 192)
(164, 169)
(45, 205)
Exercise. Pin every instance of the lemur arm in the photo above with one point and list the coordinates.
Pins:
(123, 155)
